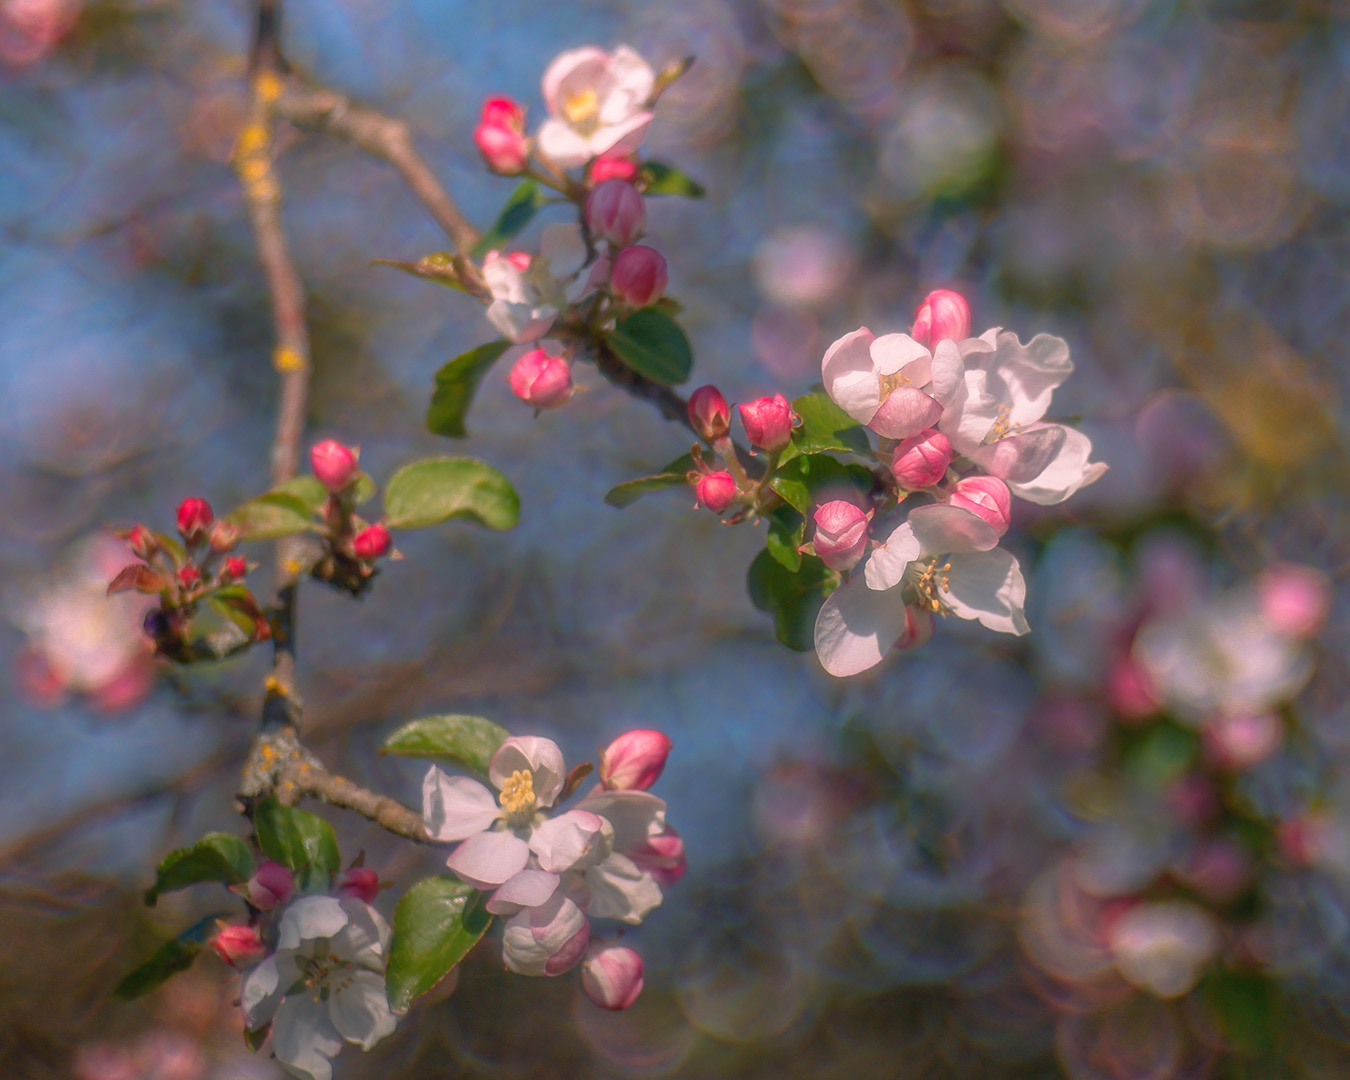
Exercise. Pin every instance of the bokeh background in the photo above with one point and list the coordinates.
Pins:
(917, 873)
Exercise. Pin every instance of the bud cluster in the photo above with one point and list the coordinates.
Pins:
(352, 545)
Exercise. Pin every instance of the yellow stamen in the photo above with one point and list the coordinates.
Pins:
(517, 797)
(891, 382)
(932, 581)
(581, 107)
(1002, 425)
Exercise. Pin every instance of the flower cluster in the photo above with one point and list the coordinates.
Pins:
(960, 422)
(549, 872)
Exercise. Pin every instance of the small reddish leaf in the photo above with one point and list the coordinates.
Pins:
(140, 577)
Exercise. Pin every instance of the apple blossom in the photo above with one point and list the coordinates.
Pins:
(234, 568)
(635, 760)
(194, 518)
(141, 541)
(546, 939)
(371, 542)
(238, 945)
(334, 465)
(615, 212)
(1295, 599)
(360, 882)
(987, 497)
(662, 855)
(920, 625)
(716, 491)
(224, 536)
(709, 413)
(611, 975)
(324, 984)
(921, 460)
(528, 294)
(270, 885)
(619, 167)
(500, 136)
(542, 380)
(943, 315)
(1162, 947)
(768, 422)
(840, 538)
(880, 381)
(639, 277)
(598, 104)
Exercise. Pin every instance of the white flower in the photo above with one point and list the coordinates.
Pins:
(528, 294)
(881, 381)
(324, 984)
(948, 558)
(598, 104)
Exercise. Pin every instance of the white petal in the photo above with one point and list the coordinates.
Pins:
(521, 323)
(304, 1038)
(849, 375)
(988, 586)
(857, 627)
(261, 989)
(970, 414)
(621, 138)
(635, 815)
(943, 529)
(560, 144)
(359, 1009)
(533, 938)
(365, 938)
(456, 807)
(886, 564)
(906, 411)
(489, 858)
(1066, 473)
(572, 841)
(588, 61)
(528, 889)
(631, 77)
(620, 889)
(948, 371)
(565, 249)
(1030, 372)
(891, 352)
(506, 281)
(541, 757)
(1022, 457)
(310, 918)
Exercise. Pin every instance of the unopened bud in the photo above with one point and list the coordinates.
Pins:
(239, 946)
(270, 885)
(612, 168)
(943, 315)
(611, 975)
(716, 491)
(359, 882)
(768, 422)
(922, 461)
(1295, 599)
(335, 465)
(189, 575)
(500, 136)
(541, 380)
(371, 542)
(639, 277)
(709, 413)
(986, 497)
(142, 542)
(615, 212)
(841, 534)
(194, 518)
(225, 536)
(236, 566)
(634, 760)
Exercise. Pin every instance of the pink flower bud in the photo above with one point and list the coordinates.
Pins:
(1129, 690)
(612, 168)
(359, 882)
(634, 760)
(236, 566)
(639, 277)
(371, 542)
(1242, 740)
(716, 491)
(189, 575)
(611, 975)
(709, 413)
(615, 212)
(768, 422)
(501, 136)
(986, 497)
(841, 534)
(270, 885)
(238, 945)
(225, 536)
(142, 542)
(334, 464)
(194, 518)
(541, 380)
(942, 315)
(919, 627)
(922, 460)
(1295, 599)
(662, 856)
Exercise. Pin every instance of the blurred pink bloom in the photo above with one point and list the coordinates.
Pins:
(335, 465)
(597, 103)
(943, 316)
(30, 29)
(500, 136)
(615, 212)
(1295, 599)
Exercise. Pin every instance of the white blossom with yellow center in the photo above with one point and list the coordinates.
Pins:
(598, 103)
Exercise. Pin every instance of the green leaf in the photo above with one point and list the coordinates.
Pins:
(466, 741)
(435, 924)
(175, 955)
(437, 489)
(663, 179)
(676, 474)
(651, 343)
(1160, 754)
(216, 856)
(515, 215)
(793, 600)
(809, 479)
(787, 530)
(439, 267)
(1249, 1010)
(296, 838)
(825, 426)
(456, 384)
(271, 515)
(313, 494)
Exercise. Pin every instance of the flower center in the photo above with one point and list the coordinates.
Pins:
(928, 586)
(581, 107)
(1002, 425)
(891, 383)
(517, 797)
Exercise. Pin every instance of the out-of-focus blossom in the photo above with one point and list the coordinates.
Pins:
(615, 167)
(1241, 740)
(323, 985)
(372, 542)
(598, 103)
(528, 294)
(500, 136)
(615, 212)
(1162, 948)
(1295, 599)
(82, 640)
(942, 316)
(611, 975)
(30, 29)
(635, 760)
